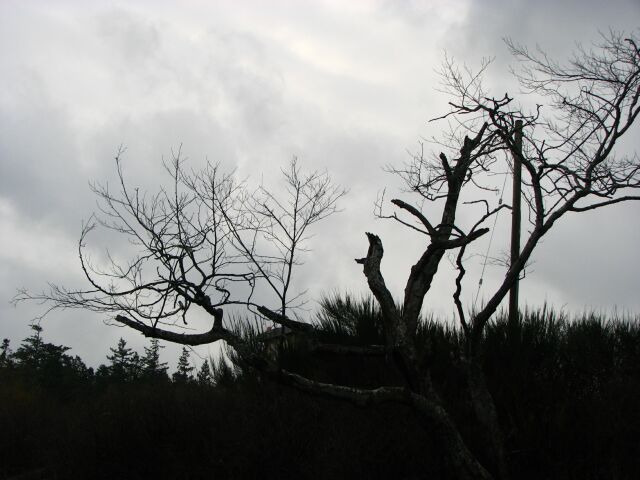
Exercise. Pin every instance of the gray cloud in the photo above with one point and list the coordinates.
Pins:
(347, 88)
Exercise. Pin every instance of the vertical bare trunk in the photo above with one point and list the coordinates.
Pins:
(485, 411)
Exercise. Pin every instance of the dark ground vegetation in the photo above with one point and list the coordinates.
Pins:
(567, 394)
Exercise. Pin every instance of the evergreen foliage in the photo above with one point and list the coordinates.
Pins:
(152, 368)
(204, 377)
(5, 354)
(184, 370)
(125, 363)
(43, 363)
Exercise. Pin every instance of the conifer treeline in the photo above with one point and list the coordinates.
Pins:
(567, 393)
(47, 364)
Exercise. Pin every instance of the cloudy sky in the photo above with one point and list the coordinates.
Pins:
(346, 86)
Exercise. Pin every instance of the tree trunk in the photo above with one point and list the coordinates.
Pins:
(459, 459)
(485, 411)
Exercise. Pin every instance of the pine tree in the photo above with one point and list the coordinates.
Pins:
(29, 354)
(184, 370)
(136, 366)
(6, 359)
(152, 368)
(49, 364)
(204, 376)
(36, 354)
(121, 368)
(103, 375)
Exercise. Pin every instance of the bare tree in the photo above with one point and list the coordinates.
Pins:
(570, 165)
(207, 242)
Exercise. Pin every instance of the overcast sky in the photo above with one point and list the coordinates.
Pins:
(346, 86)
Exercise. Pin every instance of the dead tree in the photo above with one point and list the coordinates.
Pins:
(207, 243)
(569, 165)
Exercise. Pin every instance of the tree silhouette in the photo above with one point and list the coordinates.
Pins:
(152, 368)
(208, 242)
(48, 364)
(30, 354)
(204, 376)
(183, 373)
(5, 354)
(123, 362)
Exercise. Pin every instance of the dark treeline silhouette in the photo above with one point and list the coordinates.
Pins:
(566, 391)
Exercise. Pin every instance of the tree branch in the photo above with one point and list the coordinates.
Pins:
(286, 321)
(371, 268)
(461, 241)
(216, 333)
(604, 204)
(416, 213)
